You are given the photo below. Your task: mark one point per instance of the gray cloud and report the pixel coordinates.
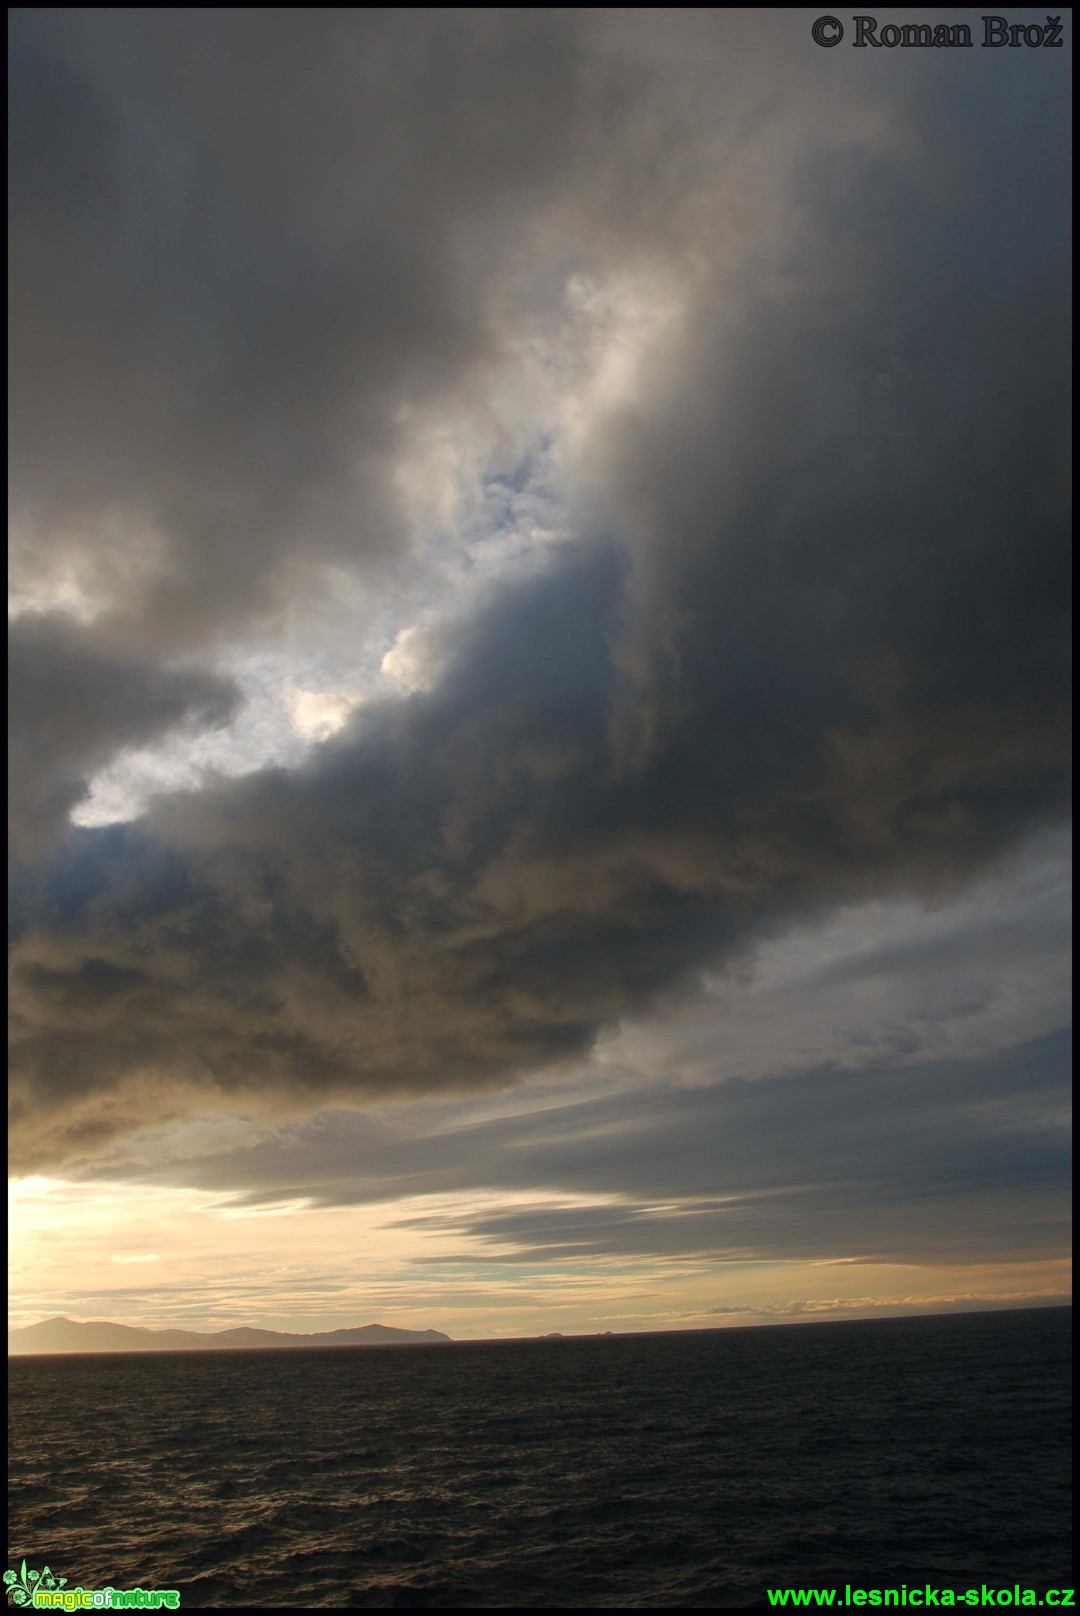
(808, 646)
(261, 222)
(292, 231)
(946, 1161)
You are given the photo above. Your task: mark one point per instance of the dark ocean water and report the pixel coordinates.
(673, 1470)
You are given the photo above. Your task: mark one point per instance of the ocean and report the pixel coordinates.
(686, 1469)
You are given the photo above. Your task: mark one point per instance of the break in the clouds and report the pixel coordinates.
(638, 444)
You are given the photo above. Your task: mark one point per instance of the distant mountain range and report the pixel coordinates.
(68, 1335)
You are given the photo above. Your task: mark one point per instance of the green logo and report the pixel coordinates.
(42, 1591)
(22, 1584)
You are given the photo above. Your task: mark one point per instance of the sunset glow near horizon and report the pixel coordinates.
(539, 620)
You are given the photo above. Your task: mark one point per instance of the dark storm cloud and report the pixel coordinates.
(232, 262)
(809, 647)
(246, 248)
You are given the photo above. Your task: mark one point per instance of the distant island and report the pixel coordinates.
(98, 1335)
(557, 1335)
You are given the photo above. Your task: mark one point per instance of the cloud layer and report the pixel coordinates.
(804, 646)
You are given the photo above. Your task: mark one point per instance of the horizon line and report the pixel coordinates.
(1060, 1305)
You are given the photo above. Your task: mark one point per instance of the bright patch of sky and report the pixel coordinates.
(219, 1264)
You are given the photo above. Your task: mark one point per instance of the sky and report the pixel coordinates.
(539, 667)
